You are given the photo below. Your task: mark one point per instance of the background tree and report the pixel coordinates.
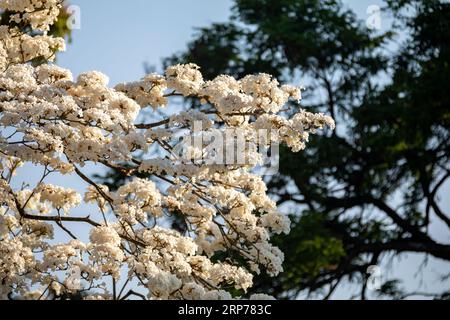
(371, 187)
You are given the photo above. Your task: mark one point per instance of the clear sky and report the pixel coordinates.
(118, 37)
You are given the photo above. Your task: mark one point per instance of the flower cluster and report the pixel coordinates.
(149, 91)
(222, 214)
(36, 13)
(136, 200)
(18, 47)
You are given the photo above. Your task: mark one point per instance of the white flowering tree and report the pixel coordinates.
(61, 125)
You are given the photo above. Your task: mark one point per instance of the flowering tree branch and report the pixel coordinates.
(51, 120)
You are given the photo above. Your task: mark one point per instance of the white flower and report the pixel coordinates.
(184, 78)
(149, 91)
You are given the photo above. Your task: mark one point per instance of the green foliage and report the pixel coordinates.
(60, 27)
(303, 264)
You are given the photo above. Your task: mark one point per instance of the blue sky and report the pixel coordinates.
(118, 37)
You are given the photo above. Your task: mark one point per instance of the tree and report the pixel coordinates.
(371, 187)
(168, 168)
